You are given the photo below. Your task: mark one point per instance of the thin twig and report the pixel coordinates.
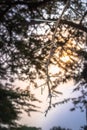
(51, 50)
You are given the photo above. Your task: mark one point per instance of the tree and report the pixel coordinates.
(22, 128)
(12, 102)
(37, 34)
(58, 128)
(28, 128)
(84, 127)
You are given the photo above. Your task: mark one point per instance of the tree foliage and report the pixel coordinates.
(58, 128)
(22, 128)
(12, 101)
(34, 37)
(28, 128)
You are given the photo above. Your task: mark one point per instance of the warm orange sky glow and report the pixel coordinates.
(65, 58)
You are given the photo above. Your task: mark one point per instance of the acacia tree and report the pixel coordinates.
(37, 34)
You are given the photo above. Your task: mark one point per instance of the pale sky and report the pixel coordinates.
(58, 116)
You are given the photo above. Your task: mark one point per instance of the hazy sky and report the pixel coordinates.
(59, 116)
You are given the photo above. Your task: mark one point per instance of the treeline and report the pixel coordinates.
(32, 128)
(35, 128)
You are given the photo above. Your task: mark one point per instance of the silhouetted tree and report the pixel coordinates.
(11, 103)
(27, 128)
(84, 128)
(35, 35)
(58, 128)
(21, 128)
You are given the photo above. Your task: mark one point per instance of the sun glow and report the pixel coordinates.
(65, 58)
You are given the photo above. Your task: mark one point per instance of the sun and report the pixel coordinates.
(65, 58)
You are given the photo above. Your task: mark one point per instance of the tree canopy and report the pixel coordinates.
(38, 34)
(58, 128)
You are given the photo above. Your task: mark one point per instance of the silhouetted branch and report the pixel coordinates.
(66, 22)
(85, 13)
(51, 50)
(31, 5)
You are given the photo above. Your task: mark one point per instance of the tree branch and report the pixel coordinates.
(75, 25)
(51, 50)
(83, 17)
(66, 22)
(31, 5)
